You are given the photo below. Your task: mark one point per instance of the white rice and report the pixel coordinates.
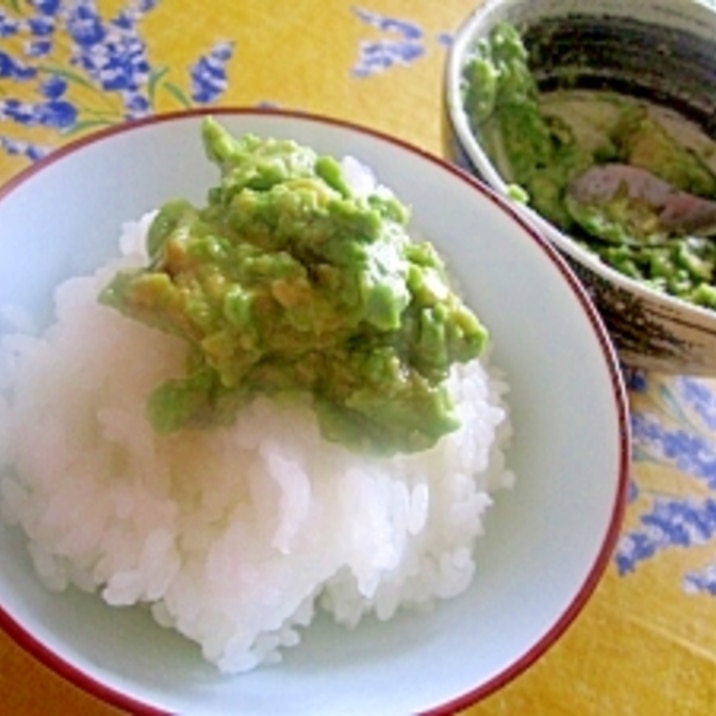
(233, 536)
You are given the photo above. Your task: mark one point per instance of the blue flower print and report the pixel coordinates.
(84, 26)
(635, 379)
(689, 451)
(698, 396)
(55, 114)
(54, 87)
(142, 7)
(12, 69)
(41, 26)
(110, 63)
(208, 74)
(24, 149)
(136, 104)
(704, 582)
(8, 26)
(404, 44)
(670, 523)
(680, 436)
(38, 48)
(128, 17)
(405, 29)
(114, 58)
(48, 8)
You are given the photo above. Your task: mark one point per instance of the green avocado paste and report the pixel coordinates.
(292, 282)
(541, 141)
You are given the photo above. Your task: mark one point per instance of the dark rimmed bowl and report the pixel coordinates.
(662, 51)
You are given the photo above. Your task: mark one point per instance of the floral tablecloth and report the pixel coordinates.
(646, 643)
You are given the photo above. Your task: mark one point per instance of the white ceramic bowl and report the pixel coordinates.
(548, 541)
(662, 49)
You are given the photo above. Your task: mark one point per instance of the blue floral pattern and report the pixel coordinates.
(402, 43)
(110, 62)
(677, 435)
(208, 74)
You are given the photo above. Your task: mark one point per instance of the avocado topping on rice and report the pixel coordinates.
(291, 282)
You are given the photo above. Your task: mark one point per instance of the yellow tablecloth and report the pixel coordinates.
(646, 643)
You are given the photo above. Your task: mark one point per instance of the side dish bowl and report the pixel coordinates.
(652, 49)
(547, 541)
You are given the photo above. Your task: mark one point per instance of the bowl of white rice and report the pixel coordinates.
(259, 567)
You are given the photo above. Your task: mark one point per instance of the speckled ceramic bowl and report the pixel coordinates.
(662, 50)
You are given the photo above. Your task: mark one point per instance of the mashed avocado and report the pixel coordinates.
(291, 283)
(542, 141)
(501, 99)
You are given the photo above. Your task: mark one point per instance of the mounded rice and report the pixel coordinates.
(233, 536)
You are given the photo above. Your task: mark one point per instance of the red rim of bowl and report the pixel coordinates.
(108, 694)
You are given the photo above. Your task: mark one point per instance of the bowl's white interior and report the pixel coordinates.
(546, 541)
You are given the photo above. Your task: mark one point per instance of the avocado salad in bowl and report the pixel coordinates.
(275, 430)
(597, 122)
